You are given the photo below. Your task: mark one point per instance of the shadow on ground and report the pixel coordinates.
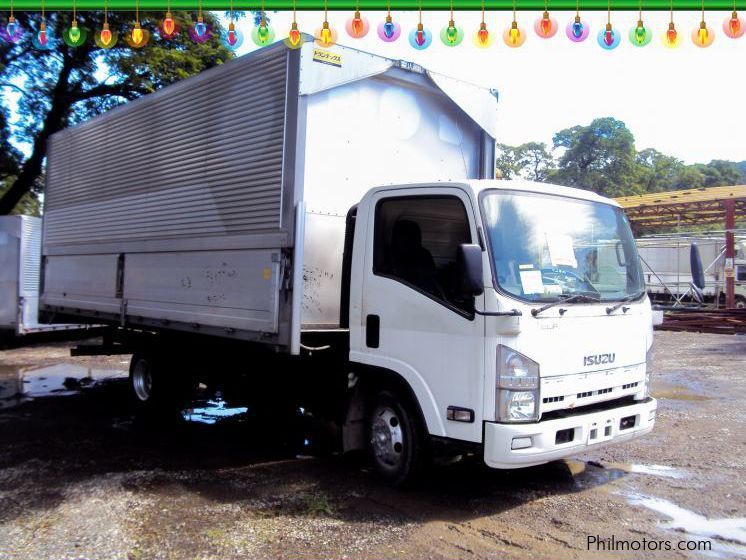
(86, 429)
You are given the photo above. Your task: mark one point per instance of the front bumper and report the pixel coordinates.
(554, 439)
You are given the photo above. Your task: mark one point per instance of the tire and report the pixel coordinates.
(395, 436)
(154, 387)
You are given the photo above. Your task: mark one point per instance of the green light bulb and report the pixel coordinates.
(74, 32)
(640, 33)
(452, 32)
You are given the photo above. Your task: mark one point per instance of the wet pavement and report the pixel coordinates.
(82, 476)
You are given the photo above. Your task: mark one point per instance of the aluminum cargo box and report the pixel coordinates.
(217, 204)
(20, 258)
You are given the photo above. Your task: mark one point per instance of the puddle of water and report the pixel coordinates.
(19, 385)
(587, 475)
(654, 470)
(662, 390)
(732, 530)
(212, 411)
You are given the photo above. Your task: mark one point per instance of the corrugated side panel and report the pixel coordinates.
(30, 256)
(201, 159)
(167, 211)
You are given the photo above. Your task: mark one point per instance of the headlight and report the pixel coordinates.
(517, 390)
(517, 406)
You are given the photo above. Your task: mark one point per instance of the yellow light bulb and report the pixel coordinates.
(137, 34)
(326, 35)
(514, 36)
(703, 36)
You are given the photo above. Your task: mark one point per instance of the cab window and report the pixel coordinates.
(416, 242)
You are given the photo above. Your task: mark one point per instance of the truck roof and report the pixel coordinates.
(479, 185)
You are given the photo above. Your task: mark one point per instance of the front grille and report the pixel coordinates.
(546, 400)
(597, 407)
(630, 385)
(599, 392)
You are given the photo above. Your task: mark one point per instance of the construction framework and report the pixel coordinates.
(693, 207)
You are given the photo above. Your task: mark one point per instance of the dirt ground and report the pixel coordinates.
(82, 477)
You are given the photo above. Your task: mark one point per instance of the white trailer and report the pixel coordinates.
(667, 268)
(287, 211)
(20, 257)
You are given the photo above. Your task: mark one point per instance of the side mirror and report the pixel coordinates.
(469, 262)
(698, 273)
(695, 261)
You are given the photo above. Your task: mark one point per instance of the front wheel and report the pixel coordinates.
(395, 438)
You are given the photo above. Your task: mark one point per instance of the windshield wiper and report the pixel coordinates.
(584, 298)
(621, 302)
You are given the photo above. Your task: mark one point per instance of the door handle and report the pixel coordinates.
(372, 331)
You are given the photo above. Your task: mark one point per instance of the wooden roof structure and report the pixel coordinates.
(686, 207)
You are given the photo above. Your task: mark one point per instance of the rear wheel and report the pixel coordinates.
(157, 385)
(395, 438)
(141, 379)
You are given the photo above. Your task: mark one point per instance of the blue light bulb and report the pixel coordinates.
(388, 29)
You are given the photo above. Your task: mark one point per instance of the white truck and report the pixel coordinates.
(667, 268)
(20, 256)
(234, 227)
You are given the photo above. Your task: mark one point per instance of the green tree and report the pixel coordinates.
(723, 173)
(655, 171)
(690, 177)
(532, 161)
(600, 157)
(505, 161)
(742, 168)
(61, 87)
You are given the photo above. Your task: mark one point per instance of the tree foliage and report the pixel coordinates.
(602, 157)
(531, 161)
(65, 85)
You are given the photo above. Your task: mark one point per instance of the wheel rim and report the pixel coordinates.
(142, 380)
(387, 437)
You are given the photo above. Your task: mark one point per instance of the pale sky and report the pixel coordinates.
(687, 102)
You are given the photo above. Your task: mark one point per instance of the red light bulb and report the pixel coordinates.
(42, 36)
(546, 24)
(734, 24)
(294, 35)
(671, 34)
(608, 35)
(483, 35)
(106, 34)
(169, 25)
(357, 24)
(420, 35)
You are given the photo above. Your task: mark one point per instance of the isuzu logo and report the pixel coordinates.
(599, 359)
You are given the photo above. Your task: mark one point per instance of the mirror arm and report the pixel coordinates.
(511, 313)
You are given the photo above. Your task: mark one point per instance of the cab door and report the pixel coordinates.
(414, 319)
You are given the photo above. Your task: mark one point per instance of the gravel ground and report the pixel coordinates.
(82, 477)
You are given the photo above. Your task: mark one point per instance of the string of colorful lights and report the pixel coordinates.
(358, 26)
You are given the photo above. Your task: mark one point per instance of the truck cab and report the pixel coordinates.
(513, 315)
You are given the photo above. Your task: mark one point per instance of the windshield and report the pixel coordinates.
(547, 248)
